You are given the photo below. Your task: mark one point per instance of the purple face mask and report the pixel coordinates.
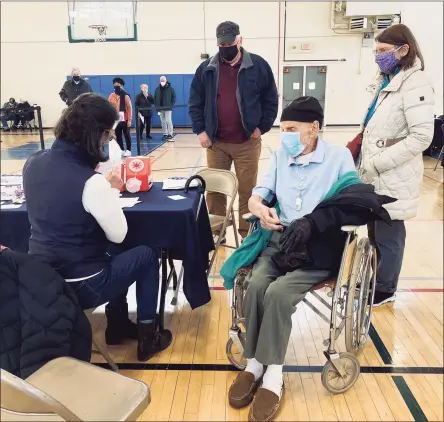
(387, 61)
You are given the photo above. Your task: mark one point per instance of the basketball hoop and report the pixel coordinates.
(101, 32)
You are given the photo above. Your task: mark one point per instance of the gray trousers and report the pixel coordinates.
(389, 240)
(166, 121)
(270, 301)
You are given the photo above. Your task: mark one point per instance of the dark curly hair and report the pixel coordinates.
(84, 123)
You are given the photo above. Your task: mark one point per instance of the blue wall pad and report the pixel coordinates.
(103, 85)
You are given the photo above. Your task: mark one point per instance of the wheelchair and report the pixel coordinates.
(352, 295)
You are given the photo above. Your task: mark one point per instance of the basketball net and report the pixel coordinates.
(101, 32)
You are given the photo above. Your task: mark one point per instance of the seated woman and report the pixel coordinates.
(75, 214)
(300, 175)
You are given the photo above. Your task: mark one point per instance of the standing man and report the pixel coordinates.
(74, 87)
(164, 100)
(145, 100)
(122, 101)
(233, 101)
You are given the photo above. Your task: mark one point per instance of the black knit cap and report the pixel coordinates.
(119, 81)
(303, 109)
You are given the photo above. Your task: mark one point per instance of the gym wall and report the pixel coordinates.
(37, 56)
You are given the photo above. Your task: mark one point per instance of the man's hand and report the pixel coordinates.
(256, 134)
(267, 216)
(205, 141)
(129, 123)
(114, 179)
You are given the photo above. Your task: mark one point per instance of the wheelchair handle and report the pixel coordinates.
(195, 177)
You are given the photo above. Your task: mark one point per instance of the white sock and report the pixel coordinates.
(255, 367)
(274, 379)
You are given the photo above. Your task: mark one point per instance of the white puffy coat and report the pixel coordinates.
(400, 129)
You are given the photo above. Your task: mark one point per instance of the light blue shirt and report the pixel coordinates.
(289, 178)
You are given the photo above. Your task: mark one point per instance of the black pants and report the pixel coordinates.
(146, 123)
(389, 241)
(122, 128)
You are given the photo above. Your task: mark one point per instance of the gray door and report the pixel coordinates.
(315, 79)
(293, 84)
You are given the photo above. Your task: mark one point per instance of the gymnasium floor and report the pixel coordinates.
(402, 364)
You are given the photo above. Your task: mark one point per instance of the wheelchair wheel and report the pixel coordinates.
(333, 382)
(234, 354)
(357, 317)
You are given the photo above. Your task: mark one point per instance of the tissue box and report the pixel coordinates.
(136, 174)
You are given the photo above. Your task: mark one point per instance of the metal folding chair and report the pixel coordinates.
(66, 389)
(224, 182)
(101, 350)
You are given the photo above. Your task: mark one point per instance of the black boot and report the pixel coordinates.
(119, 327)
(151, 340)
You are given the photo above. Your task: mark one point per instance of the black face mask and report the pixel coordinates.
(117, 89)
(229, 53)
(76, 78)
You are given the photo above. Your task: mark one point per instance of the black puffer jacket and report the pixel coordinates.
(40, 318)
(355, 205)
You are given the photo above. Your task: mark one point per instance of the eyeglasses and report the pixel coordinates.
(381, 52)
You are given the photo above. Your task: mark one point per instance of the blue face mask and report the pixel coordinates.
(291, 142)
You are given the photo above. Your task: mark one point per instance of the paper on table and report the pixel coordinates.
(129, 202)
(173, 183)
(176, 197)
(11, 206)
(12, 180)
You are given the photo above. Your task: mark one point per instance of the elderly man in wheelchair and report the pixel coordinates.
(295, 247)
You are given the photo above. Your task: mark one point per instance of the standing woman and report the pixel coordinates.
(75, 216)
(122, 102)
(397, 129)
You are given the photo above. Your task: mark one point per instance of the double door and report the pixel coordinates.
(299, 81)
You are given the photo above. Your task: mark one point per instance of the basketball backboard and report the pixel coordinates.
(91, 21)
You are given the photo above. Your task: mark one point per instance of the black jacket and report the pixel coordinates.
(40, 318)
(256, 94)
(355, 205)
(145, 102)
(70, 90)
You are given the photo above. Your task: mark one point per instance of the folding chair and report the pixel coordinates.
(66, 389)
(100, 349)
(226, 183)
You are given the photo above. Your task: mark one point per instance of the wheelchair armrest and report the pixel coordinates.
(349, 229)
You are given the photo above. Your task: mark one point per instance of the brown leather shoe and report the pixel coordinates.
(242, 390)
(265, 405)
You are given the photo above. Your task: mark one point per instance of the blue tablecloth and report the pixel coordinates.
(158, 222)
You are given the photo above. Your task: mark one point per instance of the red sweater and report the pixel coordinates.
(230, 128)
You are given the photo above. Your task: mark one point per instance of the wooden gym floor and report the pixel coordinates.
(402, 364)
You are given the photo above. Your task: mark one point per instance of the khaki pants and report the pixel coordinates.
(245, 157)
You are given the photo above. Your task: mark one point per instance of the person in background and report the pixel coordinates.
(10, 115)
(145, 100)
(164, 100)
(26, 115)
(74, 87)
(398, 127)
(75, 215)
(122, 102)
(233, 101)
